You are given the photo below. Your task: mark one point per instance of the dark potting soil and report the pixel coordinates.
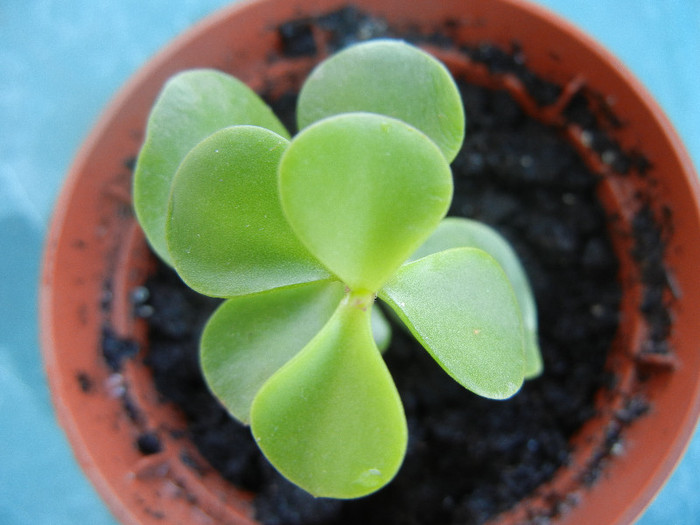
(468, 458)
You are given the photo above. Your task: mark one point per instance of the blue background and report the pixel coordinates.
(60, 63)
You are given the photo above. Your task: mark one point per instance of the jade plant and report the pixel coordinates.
(301, 235)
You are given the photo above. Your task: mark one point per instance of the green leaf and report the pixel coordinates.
(362, 192)
(391, 78)
(331, 420)
(192, 105)
(250, 337)
(226, 234)
(460, 306)
(381, 329)
(454, 232)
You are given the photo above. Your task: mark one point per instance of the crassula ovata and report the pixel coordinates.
(301, 235)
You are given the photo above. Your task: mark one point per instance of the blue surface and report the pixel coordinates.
(62, 60)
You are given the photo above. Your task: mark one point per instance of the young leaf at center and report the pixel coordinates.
(362, 192)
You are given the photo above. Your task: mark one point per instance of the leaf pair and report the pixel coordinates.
(192, 105)
(456, 232)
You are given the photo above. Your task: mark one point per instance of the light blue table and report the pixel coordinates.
(61, 61)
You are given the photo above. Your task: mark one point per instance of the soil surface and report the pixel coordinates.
(468, 458)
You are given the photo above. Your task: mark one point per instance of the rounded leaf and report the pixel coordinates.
(192, 105)
(362, 192)
(226, 234)
(249, 338)
(381, 329)
(455, 232)
(331, 420)
(391, 78)
(461, 307)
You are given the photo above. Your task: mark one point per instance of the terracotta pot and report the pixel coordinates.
(96, 255)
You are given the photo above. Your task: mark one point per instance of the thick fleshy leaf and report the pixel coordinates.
(362, 192)
(391, 78)
(250, 337)
(381, 329)
(192, 105)
(455, 232)
(226, 234)
(331, 419)
(461, 307)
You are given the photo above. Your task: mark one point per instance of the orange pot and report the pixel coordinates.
(96, 255)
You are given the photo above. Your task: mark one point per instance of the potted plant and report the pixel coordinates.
(152, 449)
(303, 236)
